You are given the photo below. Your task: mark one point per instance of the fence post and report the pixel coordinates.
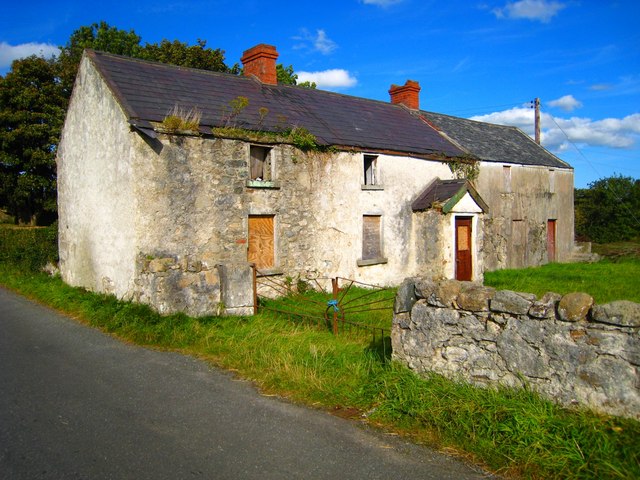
(255, 288)
(334, 286)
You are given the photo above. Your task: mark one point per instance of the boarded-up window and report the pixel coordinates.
(552, 181)
(371, 237)
(370, 162)
(261, 241)
(519, 232)
(260, 163)
(506, 179)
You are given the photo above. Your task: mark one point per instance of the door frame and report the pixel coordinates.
(467, 270)
(552, 240)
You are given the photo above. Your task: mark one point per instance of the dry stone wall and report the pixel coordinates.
(564, 347)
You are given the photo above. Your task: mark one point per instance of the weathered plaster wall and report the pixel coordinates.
(96, 201)
(516, 227)
(563, 347)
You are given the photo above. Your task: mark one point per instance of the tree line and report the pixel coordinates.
(609, 210)
(34, 96)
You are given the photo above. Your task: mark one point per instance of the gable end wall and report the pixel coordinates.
(96, 204)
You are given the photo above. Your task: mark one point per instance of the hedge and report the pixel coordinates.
(29, 247)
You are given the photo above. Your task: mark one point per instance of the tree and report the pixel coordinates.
(98, 36)
(193, 56)
(609, 210)
(287, 76)
(33, 100)
(32, 109)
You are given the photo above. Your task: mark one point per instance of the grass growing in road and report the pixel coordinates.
(513, 432)
(605, 281)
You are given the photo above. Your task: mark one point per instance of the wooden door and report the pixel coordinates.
(463, 249)
(261, 245)
(551, 240)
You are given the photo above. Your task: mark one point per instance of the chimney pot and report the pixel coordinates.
(407, 94)
(260, 61)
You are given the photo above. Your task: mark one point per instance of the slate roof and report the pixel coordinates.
(494, 143)
(148, 91)
(445, 194)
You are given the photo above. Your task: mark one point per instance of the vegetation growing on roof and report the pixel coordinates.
(299, 137)
(181, 120)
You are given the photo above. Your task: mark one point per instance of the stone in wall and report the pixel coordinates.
(561, 346)
(194, 286)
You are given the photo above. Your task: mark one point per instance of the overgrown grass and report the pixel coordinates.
(513, 432)
(605, 281)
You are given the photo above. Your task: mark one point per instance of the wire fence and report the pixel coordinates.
(340, 305)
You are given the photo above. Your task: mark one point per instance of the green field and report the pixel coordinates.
(605, 281)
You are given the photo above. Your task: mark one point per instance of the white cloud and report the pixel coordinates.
(558, 133)
(600, 87)
(568, 103)
(319, 42)
(542, 10)
(324, 44)
(381, 3)
(334, 78)
(9, 53)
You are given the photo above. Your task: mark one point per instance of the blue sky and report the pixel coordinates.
(484, 59)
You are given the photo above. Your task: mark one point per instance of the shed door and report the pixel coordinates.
(261, 245)
(463, 248)
(551, 240)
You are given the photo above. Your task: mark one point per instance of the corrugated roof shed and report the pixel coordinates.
(148, 91)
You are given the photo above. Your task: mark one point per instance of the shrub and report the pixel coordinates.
(29, 248)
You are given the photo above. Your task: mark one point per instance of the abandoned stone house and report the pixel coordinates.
(300, 182)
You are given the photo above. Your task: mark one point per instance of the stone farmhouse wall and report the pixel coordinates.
(564, 347)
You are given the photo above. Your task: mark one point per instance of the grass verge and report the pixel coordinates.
(512, 432)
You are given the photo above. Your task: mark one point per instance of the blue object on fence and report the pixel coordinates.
(334, 304)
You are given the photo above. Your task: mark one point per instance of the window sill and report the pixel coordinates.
(372, 261)
(269, 272)
(372, 187)
(263, 184)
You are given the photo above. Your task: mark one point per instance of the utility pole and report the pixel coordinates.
(536, 105)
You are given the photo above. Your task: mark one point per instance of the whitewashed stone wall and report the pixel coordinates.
(564, 347)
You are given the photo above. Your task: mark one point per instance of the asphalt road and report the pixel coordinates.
(78, 404)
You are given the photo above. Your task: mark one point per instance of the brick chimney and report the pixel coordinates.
(407, 94)
(260, 61)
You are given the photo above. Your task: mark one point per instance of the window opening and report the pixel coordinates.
(370, 169)
(261, 164)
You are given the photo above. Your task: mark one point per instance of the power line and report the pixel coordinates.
(488, 107)
(607, 185)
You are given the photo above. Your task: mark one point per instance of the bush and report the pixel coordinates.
(29, 248)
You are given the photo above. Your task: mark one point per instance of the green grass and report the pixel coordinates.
(605, 281)
(512, 432)
(357, 305)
